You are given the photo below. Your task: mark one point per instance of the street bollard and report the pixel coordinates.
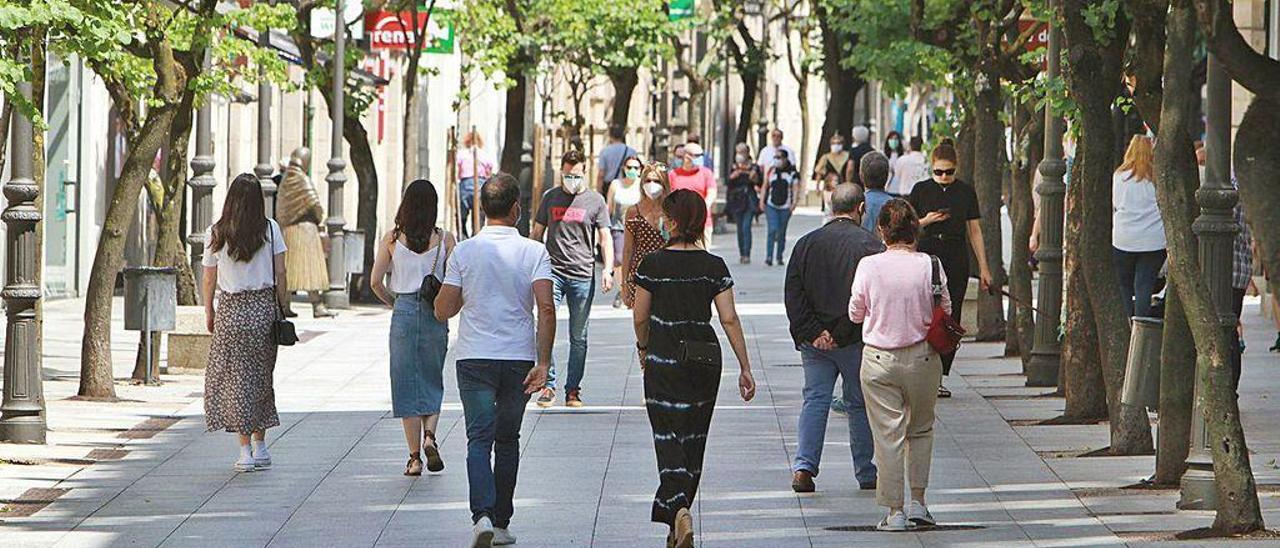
(1142, 371)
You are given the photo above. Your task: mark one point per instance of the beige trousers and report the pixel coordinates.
(901, 387)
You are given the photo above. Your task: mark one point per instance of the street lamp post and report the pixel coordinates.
(1215, 229)
(1046, 351)
(264, 170)
(201, 184)
(22, 409)
(337, 296)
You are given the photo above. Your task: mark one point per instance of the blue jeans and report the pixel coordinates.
(778, 219)
(1137, 274)
(743, 220)
(579, 293)
(493, 401)
(466, 202)
(820, 370)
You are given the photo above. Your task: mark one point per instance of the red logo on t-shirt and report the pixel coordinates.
(568, 214)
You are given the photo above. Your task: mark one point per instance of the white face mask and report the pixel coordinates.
(652, 190)
(837, 147)
(574, 183)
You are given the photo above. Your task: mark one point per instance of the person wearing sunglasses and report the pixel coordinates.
(948, 209)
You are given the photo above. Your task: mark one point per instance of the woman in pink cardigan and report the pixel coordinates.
(892, 298)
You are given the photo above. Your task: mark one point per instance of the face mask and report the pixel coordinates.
(893, 143)
(837, 147)
(574, 183)
(740, 159)
(653, 190)
(632, 173)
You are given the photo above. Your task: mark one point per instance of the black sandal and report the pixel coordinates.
(432, 452)
(414, 467)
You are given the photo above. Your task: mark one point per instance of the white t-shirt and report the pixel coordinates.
(767, 153)
(235, 276)
(908, 170)
(1136, 225)
(496, 270)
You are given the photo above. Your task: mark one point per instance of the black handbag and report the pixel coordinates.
(700, 353)
(282, 330)
(431, 283)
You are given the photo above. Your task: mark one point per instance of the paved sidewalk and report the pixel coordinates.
(588, 475)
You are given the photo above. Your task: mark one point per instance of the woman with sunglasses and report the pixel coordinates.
(948, 209)
(644, 230)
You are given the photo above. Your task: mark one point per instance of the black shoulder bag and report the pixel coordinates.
(282, 330)
(431, 283)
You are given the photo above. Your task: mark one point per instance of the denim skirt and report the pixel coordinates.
(418, 345)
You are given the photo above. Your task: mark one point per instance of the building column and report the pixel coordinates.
(22, 418)
(337, 297)
(1046, 351)
(1216, 230)
(201, 184)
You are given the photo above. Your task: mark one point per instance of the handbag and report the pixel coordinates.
(282, 330)
(431, 283)
(944, 331)
(700, 353)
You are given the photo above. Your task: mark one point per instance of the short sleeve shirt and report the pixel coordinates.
(258, 273)
(495, 271)
(683, 284)
(612, 157)
(572, 222)
(959, 197)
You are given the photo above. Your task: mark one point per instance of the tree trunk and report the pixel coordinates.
(1177, 391)
(1256, 162)
(965, 148)
(750, 88)
(624, 85)
(513, 139)
(697, 107)
(1081, 369)
(1093, 72)
(6, 114)
(806, 127)
(413, 166)
(843, 83)
(988, 147)
(367, 205)
(1022, 215)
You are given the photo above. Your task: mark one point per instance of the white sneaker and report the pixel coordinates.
(918, 514)
(482, 534)
(245, 463)
(895, 522)
(261, 457)
(503, 537)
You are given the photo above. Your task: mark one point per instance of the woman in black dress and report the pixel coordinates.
(680, 354)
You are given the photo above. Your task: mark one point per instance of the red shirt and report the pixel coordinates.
(700, 180)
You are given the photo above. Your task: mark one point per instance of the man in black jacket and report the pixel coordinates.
(819, 278)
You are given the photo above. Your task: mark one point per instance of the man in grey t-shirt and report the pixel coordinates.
(612, 156)
(575, 220)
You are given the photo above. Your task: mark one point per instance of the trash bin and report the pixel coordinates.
(150, 298)
(353, 246)
(1142, 371)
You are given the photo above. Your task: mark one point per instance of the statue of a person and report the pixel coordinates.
(300, 215)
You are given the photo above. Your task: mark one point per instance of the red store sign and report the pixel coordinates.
(387, 30)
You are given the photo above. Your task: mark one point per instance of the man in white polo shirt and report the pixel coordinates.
(494, 279)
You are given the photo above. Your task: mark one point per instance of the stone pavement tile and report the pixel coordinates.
(1068, 438)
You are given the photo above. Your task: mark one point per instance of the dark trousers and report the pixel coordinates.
(466, 203)
(954, 257)
(1237, 357)
(493, 400)
(680, 399)
(1137, 274)
(743, 220)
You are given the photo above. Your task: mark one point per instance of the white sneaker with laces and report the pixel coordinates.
(894, 522)
(503, 537)
(245, 463)
(261, 458)
(919, 515)
(482, 534)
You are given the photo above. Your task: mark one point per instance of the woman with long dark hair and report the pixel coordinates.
(243, 262)
(893, 150)
(407, 254)
(680, 354)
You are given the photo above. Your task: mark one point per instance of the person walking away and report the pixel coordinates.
(875, 174)
(622, 195)
(1241, 279)
(414, 249)
(1137, 230)
(612, 159)
(861, 146)
(949, 224)
(243, 263)
(778, 202)
(893, 299)
(894, 150)
(474, 168)
(300, 212)
(691, 175)
(910, 169)
(646, 231)
(494, 281)
(680, 354)
(770, 151)
(743, 197)
(816, 292)
(574, 221)
(834, 168)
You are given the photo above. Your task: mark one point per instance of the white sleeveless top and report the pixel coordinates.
(409, 268)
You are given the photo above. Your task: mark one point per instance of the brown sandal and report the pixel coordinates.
(414, 467)
(434, 462)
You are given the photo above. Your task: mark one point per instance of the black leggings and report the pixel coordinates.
(955, 263)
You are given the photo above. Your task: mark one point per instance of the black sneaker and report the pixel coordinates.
(1275, 347)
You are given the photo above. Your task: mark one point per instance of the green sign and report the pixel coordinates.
(440, 32)
(680, 9)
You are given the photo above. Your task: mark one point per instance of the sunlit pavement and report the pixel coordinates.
(587, 476)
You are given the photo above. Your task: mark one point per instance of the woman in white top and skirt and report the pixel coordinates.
(244, 259)
(410, 252)
(1137, 229)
